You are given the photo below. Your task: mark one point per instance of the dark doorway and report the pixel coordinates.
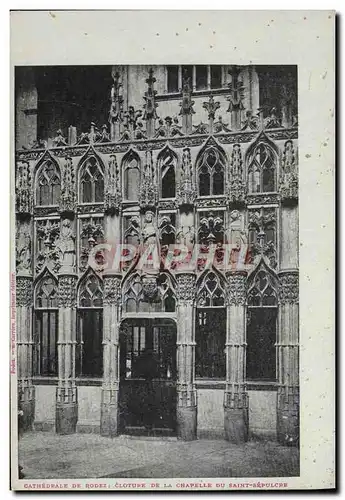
(261, 339)
(148, 377)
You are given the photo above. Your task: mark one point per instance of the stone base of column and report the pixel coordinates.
(288, 417)
(236, 424)
(26, 405)
(109, 413)
(66, 418)
(186, 422)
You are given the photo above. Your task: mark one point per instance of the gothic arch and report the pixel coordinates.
(262, 286)
(47, 181)
(167, 162)
(131, 184)
(211, 169)
(90, 290)
(90, 177)
(46, 290)
(143, 292)
(211, 289)
(262, 158)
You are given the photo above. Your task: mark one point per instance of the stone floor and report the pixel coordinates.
(45, 455)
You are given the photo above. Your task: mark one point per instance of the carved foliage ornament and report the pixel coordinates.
(23, 291)
(67, 291)
(48, 232)
(236, 183)
(112, 290)
(288, 288)
(23, 188)
(237, 288)
(186, 287)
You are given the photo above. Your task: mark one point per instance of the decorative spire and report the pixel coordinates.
(150, 105)
(112, 195)
(130, 124)
(186, 104)
(236, 191)
(148, 192)
(186, 192)
(235, 98)
(116, 107)
(67, 198)
(211, 107)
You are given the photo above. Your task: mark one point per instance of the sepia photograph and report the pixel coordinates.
(157, 243)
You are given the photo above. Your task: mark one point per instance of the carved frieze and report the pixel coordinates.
(281, 134)
(211, 202)
(167, 204)
(90, 208)
(262, 199)
(288, 287)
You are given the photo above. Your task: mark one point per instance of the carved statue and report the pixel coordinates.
(149, 230)
(23, 249)
(65, 244)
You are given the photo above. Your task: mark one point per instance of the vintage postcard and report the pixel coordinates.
(172, 315)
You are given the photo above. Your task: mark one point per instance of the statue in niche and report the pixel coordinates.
(150, 238)
(65, 244)
(186, 236)
(23, 253)
(149, 230)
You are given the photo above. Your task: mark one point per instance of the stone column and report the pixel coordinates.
(288, 323)
(111, 354)
(24, 293)
(26, 390)
(66, 393)
(186, 411)
(288, 359)
(236, 397)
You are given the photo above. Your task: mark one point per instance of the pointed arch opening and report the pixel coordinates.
(45, 334)
(131, 166)
(262, 313)
(211, 164)
(91, 179)
(89, 351)
(48, 183)
(262, 162)
(210, 331)
(145, 293)
(167, 168)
